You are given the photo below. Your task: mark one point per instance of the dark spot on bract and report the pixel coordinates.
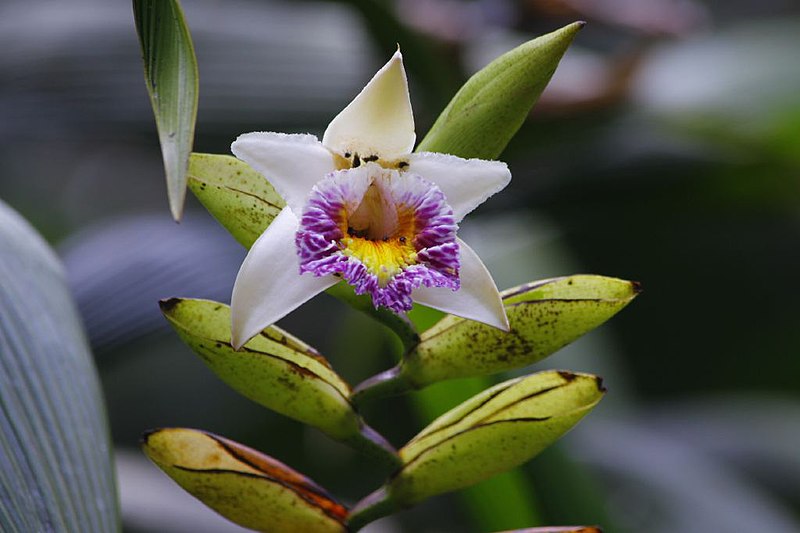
(600, 386)
(168, 304)
(370, 158)
(356, 161)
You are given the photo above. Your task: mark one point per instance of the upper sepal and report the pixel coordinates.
(243, 485)
(379, 121)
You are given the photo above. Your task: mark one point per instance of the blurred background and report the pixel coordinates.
(666, 150)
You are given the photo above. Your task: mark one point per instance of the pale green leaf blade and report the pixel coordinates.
(488, 110)
(170, 72)
(240, 198)
(276, 370)
(544, 317)
(55, 450)
(273, 369)
(242, 484)
(495, 431)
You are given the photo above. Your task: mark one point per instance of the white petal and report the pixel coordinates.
(477, 299)
(291, 163)
(269, 285)
(379, 121)
(466, 183)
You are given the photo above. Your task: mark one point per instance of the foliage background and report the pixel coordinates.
(667, 150)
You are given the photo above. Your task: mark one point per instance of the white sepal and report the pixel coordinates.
(477, 299)
(379, 121)
(292, 163)
(269, 285)
(466, 183)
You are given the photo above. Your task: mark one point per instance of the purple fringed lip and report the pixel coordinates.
(386, 232)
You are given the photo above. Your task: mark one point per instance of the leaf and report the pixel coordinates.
(494, 431)
(170, 72)
(488, 110)
(240, 198)
(242, 484)
(55, 450)
(276, 370)
(544, 317)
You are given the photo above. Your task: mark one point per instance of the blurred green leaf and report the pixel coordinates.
(57, 473)
(276, 370)
(240, 198)
(488, 110)
(243, 485)
(170, 72)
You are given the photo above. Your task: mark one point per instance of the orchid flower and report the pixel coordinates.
(360, 207)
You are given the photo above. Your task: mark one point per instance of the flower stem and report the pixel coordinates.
(371, 443)
(399, 324)
(375, 506)
(388, 383)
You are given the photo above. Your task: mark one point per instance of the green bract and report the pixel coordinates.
(170, 72)
(544, 317)
(275, 370)
(494, 431)
(236, 195)
(243, 485)
(485, 114)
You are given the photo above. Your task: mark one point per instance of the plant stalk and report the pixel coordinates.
(390, 382)
(375, 506)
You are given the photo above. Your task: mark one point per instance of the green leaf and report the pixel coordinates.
(240, 198)
(242, 484)
(489, 109)
(494, 431)
(57, 473)
(276, 370)
(170, 72)
(544, 317)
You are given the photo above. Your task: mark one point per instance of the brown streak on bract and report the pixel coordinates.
(300, 484)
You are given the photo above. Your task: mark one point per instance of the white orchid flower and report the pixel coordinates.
(363, 208)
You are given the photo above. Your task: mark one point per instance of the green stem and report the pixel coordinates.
(391, 382)
(371, 443)
(375, 506)
(399, 324)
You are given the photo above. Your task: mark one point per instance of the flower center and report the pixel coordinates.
(385, 231)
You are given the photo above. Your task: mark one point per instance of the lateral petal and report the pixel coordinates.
(466, 183)
(477, 299)
(292, 163)
(379, 121)
(269, 285)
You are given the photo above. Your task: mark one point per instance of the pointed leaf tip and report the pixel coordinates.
(171, 78)
(488, 110)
